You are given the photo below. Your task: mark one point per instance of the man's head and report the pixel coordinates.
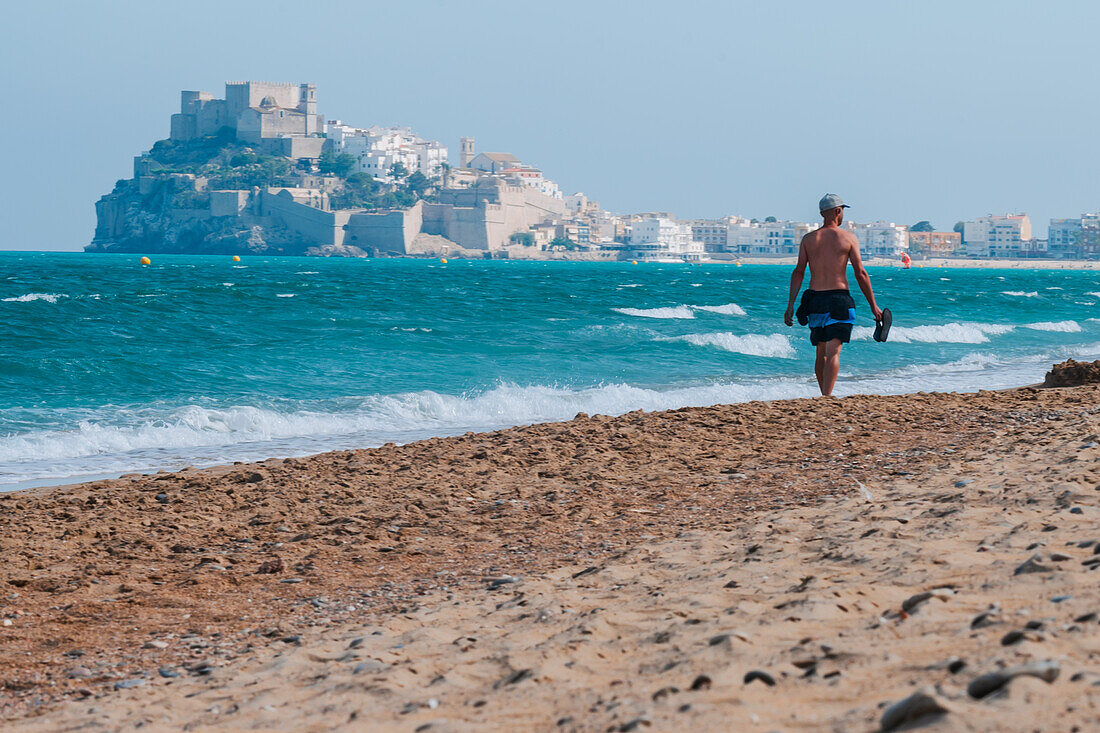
(832, 208)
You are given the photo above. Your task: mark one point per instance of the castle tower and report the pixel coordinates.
(307, 98)
(466, 151)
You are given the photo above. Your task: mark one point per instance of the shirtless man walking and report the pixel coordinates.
(827, 306)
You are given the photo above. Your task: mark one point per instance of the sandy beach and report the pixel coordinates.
(794, 565)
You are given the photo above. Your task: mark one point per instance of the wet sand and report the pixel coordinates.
(794, 565)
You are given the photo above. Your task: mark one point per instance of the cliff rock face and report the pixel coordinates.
(171, 214)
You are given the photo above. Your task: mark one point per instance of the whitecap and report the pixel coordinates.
(307, 272)
(947, 333)
(228, 285)
(1093, 293)
(678, 311)
(1058, 326)
(285, 295)
(774, 345)
(729, 309)
(1021, 293)
(30, 297)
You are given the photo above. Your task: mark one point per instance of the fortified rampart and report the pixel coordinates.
(390, 232)
(299, 210)
(486, 214)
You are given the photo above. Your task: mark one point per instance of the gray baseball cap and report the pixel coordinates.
(830, 201)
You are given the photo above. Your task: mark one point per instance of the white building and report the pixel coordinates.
(378, 149)
(658, 238)
(998, 236)
(765, 239)
(881, 239)
(713, 233)
(532, 178)
(604, 227)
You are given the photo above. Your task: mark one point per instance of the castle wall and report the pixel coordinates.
(317, 227)
(486, 215)
(228, 203)
(253, 125)
(390, 232)
(240, 95)
(296, 147)
(212, 117)
(183, 127)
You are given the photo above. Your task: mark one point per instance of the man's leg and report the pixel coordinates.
(819, 366)
(831, 366)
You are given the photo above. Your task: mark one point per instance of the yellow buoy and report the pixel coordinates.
(236, 258)
(443, 260)
(146, 261)
(634, 262)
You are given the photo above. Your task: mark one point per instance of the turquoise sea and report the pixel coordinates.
(107, 366)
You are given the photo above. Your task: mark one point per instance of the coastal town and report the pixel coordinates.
(260, 171)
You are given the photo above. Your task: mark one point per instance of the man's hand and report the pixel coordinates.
(877, 313)
(788, 317)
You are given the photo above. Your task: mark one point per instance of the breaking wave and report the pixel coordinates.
(682, 311)
(1021, 293)
(678, 311)
(193, 435)
(775, 345)
(729, 309)
(948, 333)
(1059, 326)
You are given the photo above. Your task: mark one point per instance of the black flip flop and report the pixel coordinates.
(882, 328)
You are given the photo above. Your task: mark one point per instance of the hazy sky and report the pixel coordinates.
(929, 110)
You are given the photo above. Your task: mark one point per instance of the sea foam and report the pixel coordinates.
(729, 309)
(774, 345)
(30, 297)
(947, 333)
(1058, 326)
(678, 311)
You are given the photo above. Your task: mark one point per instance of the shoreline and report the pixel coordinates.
(71, 482)
(263, 572)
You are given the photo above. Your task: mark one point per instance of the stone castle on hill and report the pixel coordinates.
(280, 118)
(196, 191)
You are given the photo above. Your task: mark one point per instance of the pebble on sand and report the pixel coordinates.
(759, 674)
(1032, 565)
(993, 681)
(922, 703)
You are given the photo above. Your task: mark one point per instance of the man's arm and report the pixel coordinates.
(796, 283)
(863, 278)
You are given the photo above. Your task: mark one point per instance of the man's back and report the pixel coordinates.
(827, 306)
(828, 250)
